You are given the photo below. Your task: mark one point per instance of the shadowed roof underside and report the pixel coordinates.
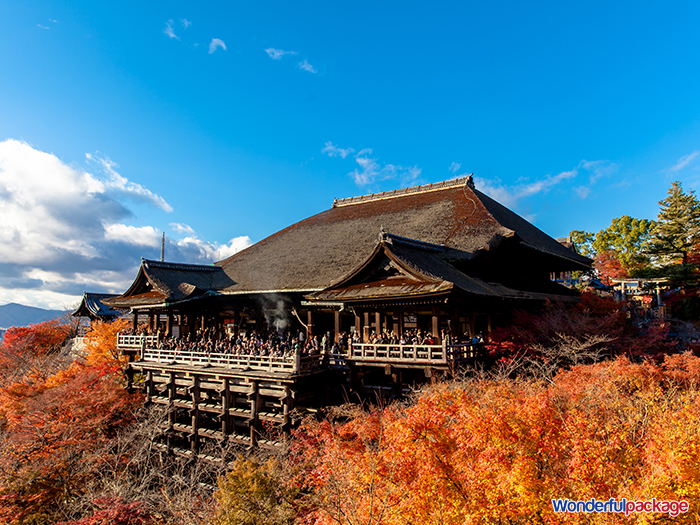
(311, 254)
(400, 267)
(166, 283)
(92, 306)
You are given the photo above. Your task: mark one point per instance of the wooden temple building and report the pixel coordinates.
(442, 258)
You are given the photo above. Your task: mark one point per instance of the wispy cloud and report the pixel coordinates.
(169, 30)
(334, 151)
(276, 54)
(510, 195)
(683, 162)
(454, 167)
(66, 230)
(371, 172)
(216, 43)
(181, 228)
(307, 67)
(43, 27)
(582, 191)
(597, 169)
(186, 23)
(124, 186)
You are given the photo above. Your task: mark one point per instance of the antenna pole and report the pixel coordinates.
(162, 249)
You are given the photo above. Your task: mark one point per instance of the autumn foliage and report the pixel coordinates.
(53, 419)
(593, 317)
(498, 451)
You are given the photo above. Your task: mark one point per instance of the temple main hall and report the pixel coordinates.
(442, 257)
(365, 300)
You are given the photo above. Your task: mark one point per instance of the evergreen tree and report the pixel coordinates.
(677, 229)
(622, 245)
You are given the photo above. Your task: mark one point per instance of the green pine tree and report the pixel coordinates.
(677, 229)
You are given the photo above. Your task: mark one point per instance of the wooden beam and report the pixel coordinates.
(436, 323)
(336, 325)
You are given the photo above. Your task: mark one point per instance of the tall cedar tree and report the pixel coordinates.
(678, 227)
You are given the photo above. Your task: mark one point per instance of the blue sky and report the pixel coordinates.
(220, 123)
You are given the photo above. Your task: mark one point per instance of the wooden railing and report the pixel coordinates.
(131, 342)
(146, 347)
(266, 363)
(419, 354)
(388, 353)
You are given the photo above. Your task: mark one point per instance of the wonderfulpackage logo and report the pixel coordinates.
(623, 506)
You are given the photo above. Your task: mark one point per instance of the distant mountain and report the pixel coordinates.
(14, 314)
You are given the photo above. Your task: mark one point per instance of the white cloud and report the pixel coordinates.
(454, 167)
(123, 185)
(181, 228)
(683, 162)
(510, 195)
(334, 151)
(276, 54)
(43, 27)
(186, 23)
(582, 191)
(307, 67)
(597, 169)
(204, 252)
(215, 43)
(170, 31)
(66, 230)
(371, 172)
(139, 236)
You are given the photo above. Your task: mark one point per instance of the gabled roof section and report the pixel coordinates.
(92, 306)
(160, 282)
(311, 254)
(530, 235)
(402, 267)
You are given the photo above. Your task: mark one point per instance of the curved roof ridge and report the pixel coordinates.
(424, 188)
(179, 266)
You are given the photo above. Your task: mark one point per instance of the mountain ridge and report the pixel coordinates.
(15, 314)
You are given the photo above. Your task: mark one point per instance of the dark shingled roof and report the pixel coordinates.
(422, 271)
(162, 282)
(92, 306)
(311, 254)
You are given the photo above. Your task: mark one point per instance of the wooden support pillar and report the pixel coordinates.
(203, 324)
(254, 397)
(336, 325)
(358, 325)
(259, 321)
(309, 323)
(287, 407)
(399, 315)
(194, 414)
(225, 407)
(135, 320)
(171, 410)
(365, 328)
(472, 326)
(168, 324)
(436, 324)
(149, 386)
(454, 326)
(378, 322)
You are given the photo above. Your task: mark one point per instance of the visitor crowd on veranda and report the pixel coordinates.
(285, 344)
